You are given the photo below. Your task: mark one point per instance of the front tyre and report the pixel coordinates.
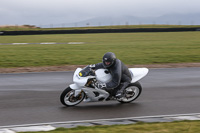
(68, 98)
(131, 93)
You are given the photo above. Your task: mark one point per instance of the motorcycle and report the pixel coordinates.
(85, 87)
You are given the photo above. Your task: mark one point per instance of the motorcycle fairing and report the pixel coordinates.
(138, 73)
(80, 81)
(79, 84)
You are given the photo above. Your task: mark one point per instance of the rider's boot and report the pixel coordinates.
(110, 91)
(120, 92)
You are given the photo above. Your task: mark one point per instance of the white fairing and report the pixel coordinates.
(79, 85)
(138, 73)
(102, 76)
(79, 81)
(74, 86)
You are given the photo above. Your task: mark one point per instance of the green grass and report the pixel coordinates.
(18, 28)
(131, 48)
(173, 127)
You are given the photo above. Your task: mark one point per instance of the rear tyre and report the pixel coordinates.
(131, 93)
(68, 98)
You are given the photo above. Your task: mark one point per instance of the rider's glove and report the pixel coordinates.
(101, 85)
(92, 66)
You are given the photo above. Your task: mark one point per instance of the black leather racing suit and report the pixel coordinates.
(121, 76)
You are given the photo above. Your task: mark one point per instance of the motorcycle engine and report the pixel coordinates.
(103, 76)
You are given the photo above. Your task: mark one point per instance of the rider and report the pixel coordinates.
(121, 76)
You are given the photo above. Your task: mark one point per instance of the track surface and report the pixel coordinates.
(29, 98)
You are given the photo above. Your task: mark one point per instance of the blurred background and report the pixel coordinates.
(86, 13)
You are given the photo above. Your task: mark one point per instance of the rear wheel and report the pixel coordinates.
(68, 98)
(131, 93)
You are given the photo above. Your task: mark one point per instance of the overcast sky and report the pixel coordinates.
(65, 11)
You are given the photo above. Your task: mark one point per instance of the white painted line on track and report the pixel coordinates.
(71, 124)
(19, 43)
(6, 131)
(76, 43)
(34, 128)
(48, 43)
(185, 118)
(113, 119)
(29, 129)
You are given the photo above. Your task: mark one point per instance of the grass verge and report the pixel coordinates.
(172, 127)
(131, 48)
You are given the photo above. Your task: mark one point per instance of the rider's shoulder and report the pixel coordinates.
(118, 61)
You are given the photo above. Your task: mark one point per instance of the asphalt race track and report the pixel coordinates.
(29, 98)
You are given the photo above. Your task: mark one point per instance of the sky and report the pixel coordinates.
(41, 12)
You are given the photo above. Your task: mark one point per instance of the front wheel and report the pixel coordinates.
(68, 98)
(131, 93)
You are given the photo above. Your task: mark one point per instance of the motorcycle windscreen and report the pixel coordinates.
(78, 80)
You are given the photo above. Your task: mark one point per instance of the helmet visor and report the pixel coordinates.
(107, 63)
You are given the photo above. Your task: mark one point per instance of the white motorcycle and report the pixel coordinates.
(85, 88)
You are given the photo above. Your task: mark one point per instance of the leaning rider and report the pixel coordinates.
(121, 76)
